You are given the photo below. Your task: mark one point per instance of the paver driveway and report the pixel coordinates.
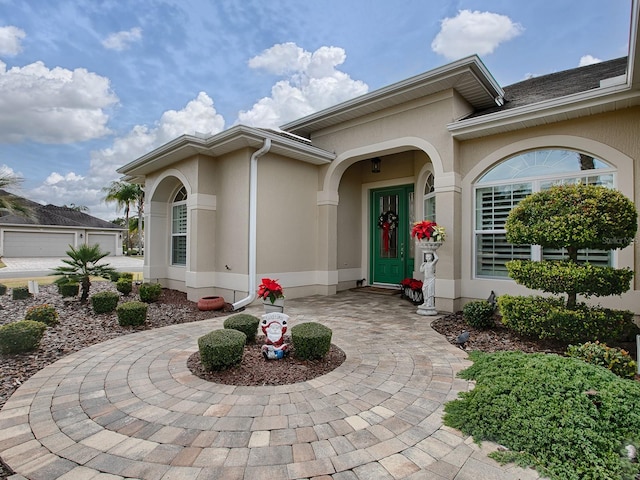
(130, 408)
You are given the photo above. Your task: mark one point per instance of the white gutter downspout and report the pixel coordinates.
(253, 219)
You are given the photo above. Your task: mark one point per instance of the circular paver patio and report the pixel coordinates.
(130, 408)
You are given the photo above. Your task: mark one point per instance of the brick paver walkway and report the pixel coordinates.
(130, 408)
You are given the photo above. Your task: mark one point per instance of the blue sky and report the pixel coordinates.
(87, 86)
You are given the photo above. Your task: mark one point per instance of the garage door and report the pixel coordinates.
(107, 242)
(37, 244)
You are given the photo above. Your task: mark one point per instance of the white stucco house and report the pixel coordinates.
(452, 145)
(50, 230)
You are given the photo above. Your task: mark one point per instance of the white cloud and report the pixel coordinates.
(53, 105)
(122, 40)
(313, 84)
(588, 60)
(10, 38)
(199, 115)
(473, 32)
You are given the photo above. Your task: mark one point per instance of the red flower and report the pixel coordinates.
(270, 289)
(427, 229)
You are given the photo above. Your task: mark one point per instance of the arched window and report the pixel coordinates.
(506, 184)
(429, 199)
(179, 228)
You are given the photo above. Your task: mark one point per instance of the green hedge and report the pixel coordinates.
(478, 314)
(311, 340)
(568, 419)
(70, 289)
(20, 293)
(150, 292)
(615, 359)
(104, 302)
(46, 314)
(221, 349)
(547, 317)
(124, 286)
(245, 323)
(132, 314)
(22, 336)
(3, 289)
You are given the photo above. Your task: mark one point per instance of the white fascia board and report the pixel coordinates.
(477, 126)
(233, 138)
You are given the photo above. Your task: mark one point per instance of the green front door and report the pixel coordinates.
(391, 218)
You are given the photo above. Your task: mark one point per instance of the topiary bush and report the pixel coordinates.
(566, 418)
(114, 276)
(124, 286)
(548, 318)
(150, 292)
(615, 359)
(22, 336)
(132, 314)
(127, 275)
(20, 293)
(245, 323)
(71, 289)
(311, 340)
(104, 302)
(478, 314)
(221, 349)
(46, 314)
(3, 289)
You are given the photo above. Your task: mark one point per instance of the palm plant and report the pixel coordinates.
(124, 194)
(10, 203)
(81, 266)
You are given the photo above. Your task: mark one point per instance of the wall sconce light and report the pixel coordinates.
(375, 165)
(80, 235)
(120, 236)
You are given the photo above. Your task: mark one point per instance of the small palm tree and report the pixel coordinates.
(125, 194)
(82, 266)
(9, 202)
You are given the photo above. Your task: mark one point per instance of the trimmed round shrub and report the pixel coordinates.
(46, 314)
(127, 275)
(547, 317)
(150, 292)
(114, 276)
(132, 314)
(245, 323)
(615, 359)
(20, 293)
(221, 349)
(71, 289)
(311, 340)
(124, 286)
(104, 302)
(22, 336)
(478, 314)
(3, 289)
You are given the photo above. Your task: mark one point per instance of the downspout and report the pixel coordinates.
(253, 219)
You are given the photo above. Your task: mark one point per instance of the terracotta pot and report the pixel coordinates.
(210, 303)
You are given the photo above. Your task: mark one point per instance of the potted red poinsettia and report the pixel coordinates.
(272, 295)
(428, 230)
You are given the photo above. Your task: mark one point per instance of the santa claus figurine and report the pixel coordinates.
(274, 326)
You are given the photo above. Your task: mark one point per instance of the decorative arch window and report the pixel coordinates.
(179, 228)
(429, 199)
(506, 184)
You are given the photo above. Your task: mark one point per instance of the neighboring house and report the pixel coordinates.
(50, 230)
(302, 204)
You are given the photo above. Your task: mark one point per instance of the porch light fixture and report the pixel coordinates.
(375, 165)
(80, 235)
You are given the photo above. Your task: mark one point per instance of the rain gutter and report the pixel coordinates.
(253, 220)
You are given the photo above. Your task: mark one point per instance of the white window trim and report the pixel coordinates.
(535, 181)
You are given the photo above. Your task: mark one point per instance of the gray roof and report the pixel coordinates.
(52, 215)
(558, 84)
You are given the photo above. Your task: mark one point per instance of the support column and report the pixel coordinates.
(327, 238)
(201, 233)
(448, 214)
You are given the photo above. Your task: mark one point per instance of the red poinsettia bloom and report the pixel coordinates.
(427, 230)
(270, 289)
